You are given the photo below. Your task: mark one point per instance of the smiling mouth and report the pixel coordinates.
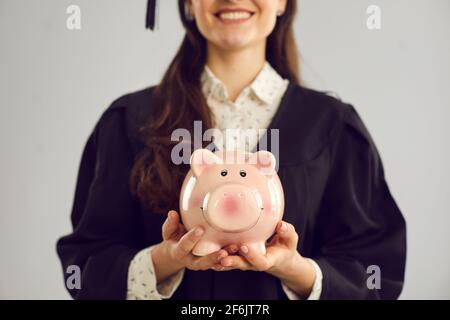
(234, 16)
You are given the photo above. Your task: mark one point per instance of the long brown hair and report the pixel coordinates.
(178, 101)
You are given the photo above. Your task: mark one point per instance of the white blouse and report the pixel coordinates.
(254, 108)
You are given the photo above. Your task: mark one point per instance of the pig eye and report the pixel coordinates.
(223, 173)
(242, 173)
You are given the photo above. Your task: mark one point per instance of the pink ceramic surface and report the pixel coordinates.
(237, 197)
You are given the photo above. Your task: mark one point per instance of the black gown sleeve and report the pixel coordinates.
(105, 234)
(359, 222)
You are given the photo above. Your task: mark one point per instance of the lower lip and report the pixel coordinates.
(234, 21)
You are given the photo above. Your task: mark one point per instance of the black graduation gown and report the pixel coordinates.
(335, 193)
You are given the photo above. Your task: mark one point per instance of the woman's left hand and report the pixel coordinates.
(281, 260)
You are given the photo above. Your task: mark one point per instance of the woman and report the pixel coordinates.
(236, 68)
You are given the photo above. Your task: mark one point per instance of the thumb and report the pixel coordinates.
(170, 226)
(287, 234)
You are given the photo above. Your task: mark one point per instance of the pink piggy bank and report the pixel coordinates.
(236, 196)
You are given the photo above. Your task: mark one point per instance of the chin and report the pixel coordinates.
(234, 42)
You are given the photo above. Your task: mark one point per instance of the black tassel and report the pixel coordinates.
(151, 14)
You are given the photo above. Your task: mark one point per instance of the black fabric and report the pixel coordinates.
(335, 193)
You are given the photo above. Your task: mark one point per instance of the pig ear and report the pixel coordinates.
(202, 159)
(265, 161)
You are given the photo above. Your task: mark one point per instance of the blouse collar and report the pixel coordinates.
(265, 86)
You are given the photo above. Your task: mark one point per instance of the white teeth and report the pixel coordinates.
(235, 15)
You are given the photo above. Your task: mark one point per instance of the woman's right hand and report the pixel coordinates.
(175, 251)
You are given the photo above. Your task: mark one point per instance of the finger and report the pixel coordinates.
(207, 262)
(259, 261)
(236, 262)
(187, 242)
(287, 234)
(219, 267)
(170, 226)
(181, 231)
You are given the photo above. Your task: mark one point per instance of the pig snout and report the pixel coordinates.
(231, 204)
(233, 208)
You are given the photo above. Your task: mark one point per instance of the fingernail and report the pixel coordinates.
(283, 227)
(198, 232)
(244, 249)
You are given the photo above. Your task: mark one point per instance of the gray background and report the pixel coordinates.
(55, 83)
